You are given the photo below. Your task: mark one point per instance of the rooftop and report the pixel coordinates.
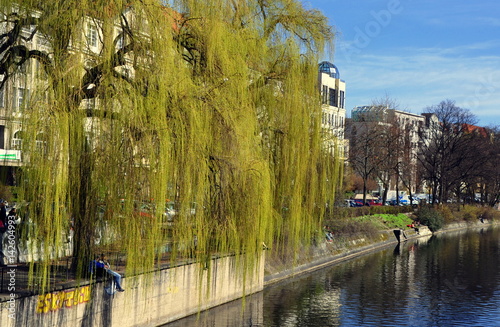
(330, 69)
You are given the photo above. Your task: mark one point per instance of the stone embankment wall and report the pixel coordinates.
(149, 299)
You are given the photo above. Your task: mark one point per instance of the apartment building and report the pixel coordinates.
(23, 80)
(333, 104)
(406, 127)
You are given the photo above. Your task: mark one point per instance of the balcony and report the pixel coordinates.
(10, 157)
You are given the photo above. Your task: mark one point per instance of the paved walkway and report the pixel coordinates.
(15, 278)
(61, 276)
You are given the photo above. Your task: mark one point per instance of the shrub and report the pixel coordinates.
(351, 212)
(5, 192)
(470, 213)
(351, 227)
(390, 210)
(447, 213)
(430, 217)
(489, 213)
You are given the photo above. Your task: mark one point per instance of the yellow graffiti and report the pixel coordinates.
(58, 300)
(173, 289)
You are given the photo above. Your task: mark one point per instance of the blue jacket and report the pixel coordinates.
(97, 267)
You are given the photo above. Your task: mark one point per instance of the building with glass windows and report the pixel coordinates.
(23, 82)
(397, 138)
(333, 103)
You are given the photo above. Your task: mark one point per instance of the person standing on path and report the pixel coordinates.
(3, 229)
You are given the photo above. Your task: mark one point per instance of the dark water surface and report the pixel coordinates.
(450, 279)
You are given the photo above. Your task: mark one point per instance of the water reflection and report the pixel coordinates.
(450, 279)
(240, 313)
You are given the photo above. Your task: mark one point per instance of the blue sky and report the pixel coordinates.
(418, 52)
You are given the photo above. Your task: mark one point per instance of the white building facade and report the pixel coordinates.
(333, 104)
(407, 128)
(25, 83)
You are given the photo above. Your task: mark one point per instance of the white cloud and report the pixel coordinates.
(418, 78)
(459, 50)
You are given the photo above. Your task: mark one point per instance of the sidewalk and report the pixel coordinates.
(15, 278)
(61, 276)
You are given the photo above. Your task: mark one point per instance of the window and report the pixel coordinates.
(40, 71)
(41, 142)
(17, 140)
(120, 40)
(25, 68)
(324, 95)
(92, 35)
(19, 96)
(2, 137)
(342, 99)
(2, 98)
(91, 104)
(333, 98)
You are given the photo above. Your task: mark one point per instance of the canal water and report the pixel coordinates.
(450, 279)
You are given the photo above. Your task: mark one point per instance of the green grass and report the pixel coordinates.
(394, 221)
(387, 221)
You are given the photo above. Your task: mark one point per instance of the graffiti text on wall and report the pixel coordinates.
(64, 299)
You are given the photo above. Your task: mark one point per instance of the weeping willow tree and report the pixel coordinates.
(211, 105)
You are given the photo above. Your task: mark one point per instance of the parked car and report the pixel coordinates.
(355, 203)
(369, 202)
(395, 202)
(374, 202)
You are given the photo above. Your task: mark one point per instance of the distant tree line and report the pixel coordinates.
(459, 160)
(452, 159)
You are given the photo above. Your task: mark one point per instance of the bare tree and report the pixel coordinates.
(487, 183)
(390, 145)
(365, 157)
(389, 148)
(445, 148)
(397, 168)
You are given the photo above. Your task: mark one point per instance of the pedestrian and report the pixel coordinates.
(3, 229)
(14, 220)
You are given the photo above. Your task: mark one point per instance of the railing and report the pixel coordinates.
(15, 278)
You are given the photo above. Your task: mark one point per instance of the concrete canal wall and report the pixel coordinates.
(149, 299)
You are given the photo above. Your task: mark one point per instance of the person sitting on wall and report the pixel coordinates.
(328, 234)
(96, 268)
(100, 266)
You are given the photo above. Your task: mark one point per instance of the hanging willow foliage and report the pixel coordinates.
(210, 105)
